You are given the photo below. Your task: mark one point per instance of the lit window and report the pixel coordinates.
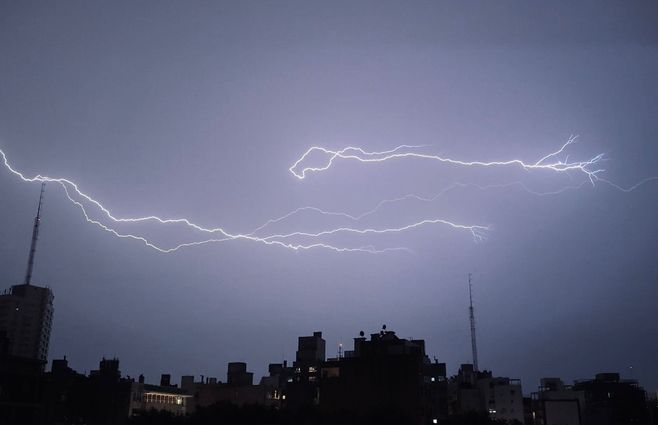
(433, 379)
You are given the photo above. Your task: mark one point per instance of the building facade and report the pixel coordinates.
(26, 315)
(557, 404)
(146, 397)
(480, 393)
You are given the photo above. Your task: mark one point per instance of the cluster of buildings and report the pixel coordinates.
(383, 376)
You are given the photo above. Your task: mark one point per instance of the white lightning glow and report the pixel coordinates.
(478, 232)
(428, 199)
(274, 240)
(630, 188)
(368, 248)
(547, 162)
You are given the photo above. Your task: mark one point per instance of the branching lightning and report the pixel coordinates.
(428, 199)
(549, 162)
(274, 240)
(403, 151)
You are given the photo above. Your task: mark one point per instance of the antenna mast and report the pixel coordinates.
(35, 236)
(474, 347)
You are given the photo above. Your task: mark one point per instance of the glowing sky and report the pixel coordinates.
(198, 110)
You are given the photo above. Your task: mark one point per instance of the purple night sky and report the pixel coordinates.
(197, 109)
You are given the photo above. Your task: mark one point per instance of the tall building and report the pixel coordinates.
(26, 314)
(302, 389)
(26, 311)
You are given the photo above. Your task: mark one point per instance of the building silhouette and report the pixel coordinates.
(302, 388)
(611, 400)
(238, 376)
(26, 314)
(385, 379)
(164, 397)
(20, 386)
(481, 393)
(26, 311)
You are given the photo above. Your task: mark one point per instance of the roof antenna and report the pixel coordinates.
(35, 236)
(474, 347)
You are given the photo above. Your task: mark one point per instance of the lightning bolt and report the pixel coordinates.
(547, 162)
(428, 199)
(478, 232)
(273, 240)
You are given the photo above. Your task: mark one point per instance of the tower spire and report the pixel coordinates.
(35, 236)
(474, 347)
